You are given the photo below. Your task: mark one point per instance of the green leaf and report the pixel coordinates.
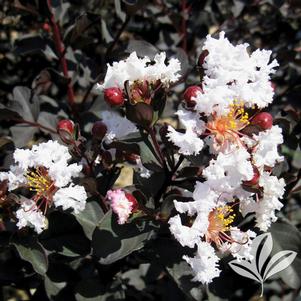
(149, 157)
(111, 242)
(32, 251)
(93, 290)
(90, 217)
(65, 235)
(53, 288)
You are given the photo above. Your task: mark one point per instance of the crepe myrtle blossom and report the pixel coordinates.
(141, 69)
(143, 77)
(208, 230)
(122, 203)
(235, 84)
(211, 214)
(44, 170)
(232, 73)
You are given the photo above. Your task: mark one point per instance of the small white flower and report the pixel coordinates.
(266, 152)
(265, 208)
(134, 68)
(72, 196)
(231, 73)
(204, 264)
(45, 171)
(228, 171)
(189, 142)
(29, 215)
(186, 236)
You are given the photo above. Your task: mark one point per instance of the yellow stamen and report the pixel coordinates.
(38, 181)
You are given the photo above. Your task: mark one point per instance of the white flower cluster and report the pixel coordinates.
(45, 171)
(230, 74)
(134, 68)
(237, 179)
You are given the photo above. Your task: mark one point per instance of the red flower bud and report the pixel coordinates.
(189, 93)
(133, 201)
(99, 130)
(46, 27)
(254, 181)
(114, 96)
(66, 129)
(263, 120)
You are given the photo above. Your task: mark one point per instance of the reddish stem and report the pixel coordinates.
(35, 124)
(156, 145)
(61, 52)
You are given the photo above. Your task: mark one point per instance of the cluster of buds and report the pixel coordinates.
(137, 99)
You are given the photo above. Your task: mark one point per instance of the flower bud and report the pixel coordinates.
(114, 96)
(46, 27)
(99, 130)
(140, 92)
(262, 120)
(66, 130)
(189, 93)
(141, 114)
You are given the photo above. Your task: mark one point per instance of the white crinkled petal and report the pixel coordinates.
(227, 171)
(15, 177)
(266, 152)
(63, 174)
(204, 264)
(71, 197)
(186, 236)
(48, 153)
(188, 142)
(134, 68)
(265, 209)
(29, 215)
(117, 126)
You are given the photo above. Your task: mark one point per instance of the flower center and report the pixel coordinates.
(39, 181)
(226, 128)
(220, 220)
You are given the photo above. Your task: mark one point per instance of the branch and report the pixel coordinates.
(116, 39)
(61, 52)
(35, 124)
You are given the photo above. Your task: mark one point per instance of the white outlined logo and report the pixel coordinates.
(262, 266)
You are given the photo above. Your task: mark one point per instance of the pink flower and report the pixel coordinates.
(122, 203)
